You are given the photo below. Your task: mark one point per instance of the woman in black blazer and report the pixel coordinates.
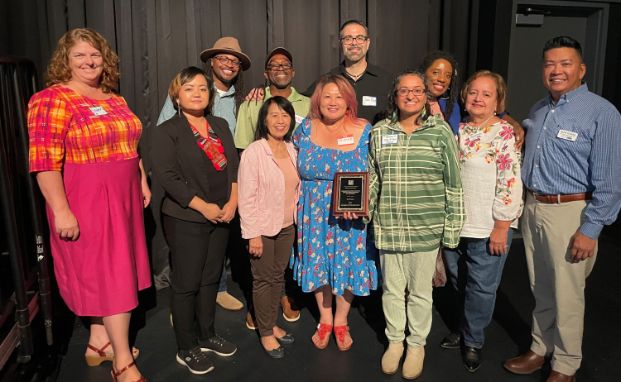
(195, 160)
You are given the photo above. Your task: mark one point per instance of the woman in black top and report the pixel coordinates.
(196, 162)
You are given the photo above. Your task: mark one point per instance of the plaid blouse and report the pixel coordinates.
(66, 127)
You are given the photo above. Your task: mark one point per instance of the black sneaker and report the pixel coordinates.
(195, 360)
(218, 345)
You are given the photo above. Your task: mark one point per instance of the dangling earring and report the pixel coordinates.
(178, 108)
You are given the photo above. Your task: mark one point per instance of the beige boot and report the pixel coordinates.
(413, 364)
(392, 357)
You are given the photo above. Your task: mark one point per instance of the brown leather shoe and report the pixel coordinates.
(250, 324)
(290, 312)
(555, 376)
(526, 363)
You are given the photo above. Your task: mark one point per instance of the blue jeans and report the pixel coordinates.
(476, 275)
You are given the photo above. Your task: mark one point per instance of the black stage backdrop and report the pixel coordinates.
(156, 38)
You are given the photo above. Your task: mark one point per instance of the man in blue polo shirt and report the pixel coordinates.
(572, 171)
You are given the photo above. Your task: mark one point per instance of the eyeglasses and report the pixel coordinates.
(403, 92)
(350, 39)
(227, 61)
(282, 67)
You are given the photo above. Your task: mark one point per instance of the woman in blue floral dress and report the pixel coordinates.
(332, 255)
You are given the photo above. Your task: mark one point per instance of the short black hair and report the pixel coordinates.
(353, 21)
(283, 104)
(562, 42)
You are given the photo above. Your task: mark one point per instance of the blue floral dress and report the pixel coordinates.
(330, 251)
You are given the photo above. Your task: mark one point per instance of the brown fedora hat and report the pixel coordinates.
(227, 45)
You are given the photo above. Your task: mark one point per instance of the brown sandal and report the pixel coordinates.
(96, 360)
(115, 373)
(321, 338)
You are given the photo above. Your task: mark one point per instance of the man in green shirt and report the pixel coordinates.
(279, 73)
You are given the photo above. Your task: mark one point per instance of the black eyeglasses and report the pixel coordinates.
(402, 92)
(275, 67)
(227, 61)
(350, 39)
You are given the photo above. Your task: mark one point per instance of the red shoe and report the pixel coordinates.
(117, 373)
(321, 338)
(102, 356)
(343, 338)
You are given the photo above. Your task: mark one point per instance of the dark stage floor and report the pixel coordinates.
(507, 335)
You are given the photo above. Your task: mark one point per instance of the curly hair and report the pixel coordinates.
(452, 94)
(393, 111)
(58, 70)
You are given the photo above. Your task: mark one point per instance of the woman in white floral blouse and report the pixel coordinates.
(490, 173)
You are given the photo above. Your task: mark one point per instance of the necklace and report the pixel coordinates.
(482, 124)
(355, 77)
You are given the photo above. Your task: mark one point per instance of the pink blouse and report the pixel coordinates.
(262, 191)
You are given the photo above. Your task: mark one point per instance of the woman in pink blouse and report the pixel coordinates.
(490, 173)
(268, 193)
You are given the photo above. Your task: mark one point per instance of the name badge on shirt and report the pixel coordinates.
(390, 139)
(567, 135)
(98, 110)
(298, 119)
(369, 101)
(345, 140)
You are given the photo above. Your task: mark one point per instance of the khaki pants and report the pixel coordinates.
(407, 296)
(557, 283)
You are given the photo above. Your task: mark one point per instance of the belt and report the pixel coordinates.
(561, 198)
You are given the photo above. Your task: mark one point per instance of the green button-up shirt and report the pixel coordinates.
(249, 114)
(415, 193)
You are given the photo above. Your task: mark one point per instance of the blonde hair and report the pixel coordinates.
(58, 70)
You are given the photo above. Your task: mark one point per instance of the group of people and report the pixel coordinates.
(444, 186)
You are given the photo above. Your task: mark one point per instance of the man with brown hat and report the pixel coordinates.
(222, 63)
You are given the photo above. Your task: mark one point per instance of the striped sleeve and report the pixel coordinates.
(454, 218)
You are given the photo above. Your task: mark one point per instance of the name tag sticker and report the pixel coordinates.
(349, 140)
(298, 119)
(369, 101)
(390, 139)
(98, 110)
(567, 135)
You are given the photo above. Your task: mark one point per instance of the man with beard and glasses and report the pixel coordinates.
(279, 73)
(372, 83)
(224, 63)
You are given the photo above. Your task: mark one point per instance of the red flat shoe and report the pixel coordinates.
(116, 373)
(343, 338)
(321, 338)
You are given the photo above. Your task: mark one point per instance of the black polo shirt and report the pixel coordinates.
(372, 90)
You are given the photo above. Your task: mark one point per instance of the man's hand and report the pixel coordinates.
(256, 94)
(582, 247)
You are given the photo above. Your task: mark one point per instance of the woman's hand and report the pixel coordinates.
(228, 211)
(349, 216)
(212, 212)
(66, 225)
(146, 193)
(498, 241)
(255, 246)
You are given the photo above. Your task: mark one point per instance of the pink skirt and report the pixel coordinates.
(101, 273)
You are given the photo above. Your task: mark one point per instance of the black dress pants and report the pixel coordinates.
(197, 254)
